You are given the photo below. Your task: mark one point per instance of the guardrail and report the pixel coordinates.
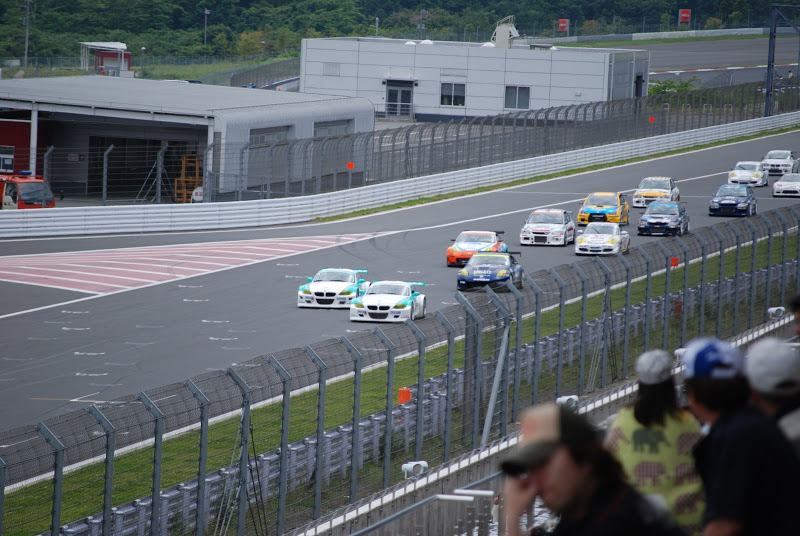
(209, 216)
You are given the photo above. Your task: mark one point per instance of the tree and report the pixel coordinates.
(672, 85)
(713, 23)
(250, 43)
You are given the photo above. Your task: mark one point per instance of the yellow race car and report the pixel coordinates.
(604, 206)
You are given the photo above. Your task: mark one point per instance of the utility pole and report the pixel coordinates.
(27, 28)
(205, 25)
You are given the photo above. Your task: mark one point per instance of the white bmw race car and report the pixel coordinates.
(389, 301)
(548, 226)
(748, 173)
(779, 162)
(655, 189)
(332, 288)
(602, 239)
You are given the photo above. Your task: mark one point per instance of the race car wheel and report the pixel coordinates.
(424, 308)
(755, 209)
(566, 240)
(680, 230)
(688, 229)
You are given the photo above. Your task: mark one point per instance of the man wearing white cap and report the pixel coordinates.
(749, 471)
(773, 370)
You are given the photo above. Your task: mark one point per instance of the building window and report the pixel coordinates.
(453, 94)
(268, 136)
(518, 97)
(325, 129)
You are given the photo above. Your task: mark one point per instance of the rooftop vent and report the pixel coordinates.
(505, 32)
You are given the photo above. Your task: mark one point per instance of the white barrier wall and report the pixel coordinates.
(210, 216)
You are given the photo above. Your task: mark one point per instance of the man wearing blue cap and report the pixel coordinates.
(749, 471)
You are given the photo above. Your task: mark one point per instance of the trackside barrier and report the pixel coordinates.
(208, 216)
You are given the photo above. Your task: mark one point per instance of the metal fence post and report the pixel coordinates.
(519, 297)
(387, 437)
(667, 272)
(241, 507)
(684, 314)
(502, 359)
(738, 234)
(108, 485)
(704, 257)
(284, 462)
(2, 492)
(785, 230)
(797, 253)
(537, 323)
(770, 236)
(355, 437)
(648, 260)
(208, 164)
(721, 276)
(323, 380)
(606, 319)
(105, 173)
(58, 475)
(625, 335)
(155, 507)
(160, 170)
(448, 418)
(202, 461)
(48, 155)
(562, 286)
(476, 377)
(582, 346)
(420, 416)
(753, 268)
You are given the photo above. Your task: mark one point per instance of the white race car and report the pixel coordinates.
(389, 301)
(602, 239)
(779, 162)
(748, 173)
(655, 189)
(548, 226)
(788, 185)
(332, 288)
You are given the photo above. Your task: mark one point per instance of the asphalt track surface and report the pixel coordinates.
(167, 310)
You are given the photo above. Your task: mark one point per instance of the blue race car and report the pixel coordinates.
(485, 268)
(662, 218)
(733, 200)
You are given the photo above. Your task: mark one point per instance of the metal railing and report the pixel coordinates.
(341, 435)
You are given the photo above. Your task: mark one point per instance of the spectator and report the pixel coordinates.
(563, 462)
(749, 471)
(773, 370)
(653, 439)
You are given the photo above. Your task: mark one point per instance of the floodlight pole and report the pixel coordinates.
(206, 13)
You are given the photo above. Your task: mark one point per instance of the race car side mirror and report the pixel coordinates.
(310, 279)
(452, 240)
(580, 231)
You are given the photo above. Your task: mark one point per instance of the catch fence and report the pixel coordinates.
(166, 171)
(276, 442)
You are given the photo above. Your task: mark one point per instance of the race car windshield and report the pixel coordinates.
(778, 155)
(345, 277)
(662, 209)
(388, 288)
(790, 177)
(475, 237)
(654, 184)
(736, 192)
(492, 260)
(746, 167)
(545, 217)
(596, 199)
(594, 228)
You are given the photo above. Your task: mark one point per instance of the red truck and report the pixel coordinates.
(25, 190)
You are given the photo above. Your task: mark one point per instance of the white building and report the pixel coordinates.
(439, 80)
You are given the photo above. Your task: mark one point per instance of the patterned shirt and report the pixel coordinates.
(659, 463)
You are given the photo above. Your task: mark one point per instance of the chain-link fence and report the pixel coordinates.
(276, 442)
(127, 170)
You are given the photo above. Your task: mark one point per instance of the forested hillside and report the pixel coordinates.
(246, 27)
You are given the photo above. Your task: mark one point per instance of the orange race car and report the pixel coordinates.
(470, 242)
